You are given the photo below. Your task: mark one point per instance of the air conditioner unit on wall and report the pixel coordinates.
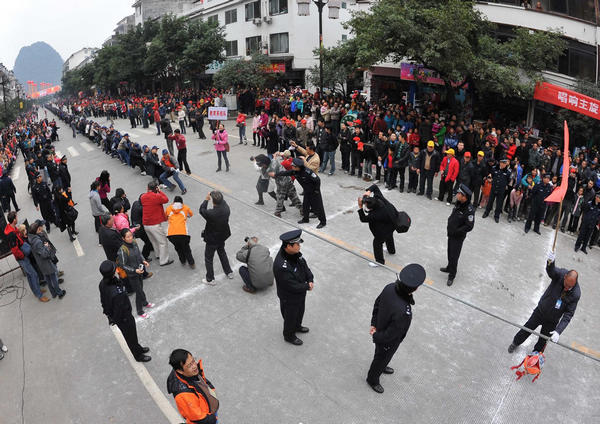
(257, 21)
(268, 19)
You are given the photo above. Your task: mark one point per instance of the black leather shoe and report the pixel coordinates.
(444, 269)
(388, 370)
(303, 221)
(512, 348)
(496, 219)
(143, 358)
(450, 281)
(537, 232)
(62, 294)
(321, 225)
(295, 341)
(485, 215)
(376, 387)
(584, 251)
(302, 330)
(145, 349)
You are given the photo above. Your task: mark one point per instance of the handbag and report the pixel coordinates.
(402, 222)
(227, 147)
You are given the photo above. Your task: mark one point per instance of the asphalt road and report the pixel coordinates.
(452, 367)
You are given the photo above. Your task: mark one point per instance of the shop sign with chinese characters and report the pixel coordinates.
(567, 99)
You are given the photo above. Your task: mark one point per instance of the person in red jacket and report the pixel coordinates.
(157, 120)
(181, 150)
(153, 217)
(449, 169)
(21, 251)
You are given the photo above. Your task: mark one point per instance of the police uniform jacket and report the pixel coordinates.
(310, 181)
(539, 193)
(115, 302)
(292, 276)
(549, 304)
(591, 212)
(392, 315)
(500, 178)
(41, 194)
(461, 220)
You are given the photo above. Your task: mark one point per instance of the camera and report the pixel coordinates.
(246, 239)
(251, 158)
(369, 201)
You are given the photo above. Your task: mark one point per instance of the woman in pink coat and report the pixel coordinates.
(121, 220)
(221, 146)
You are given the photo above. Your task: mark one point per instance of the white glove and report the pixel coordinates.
(554, 336)
(551, 256)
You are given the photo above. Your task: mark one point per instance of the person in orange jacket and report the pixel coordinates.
(449, 169)
(193, 392)
(178, 234)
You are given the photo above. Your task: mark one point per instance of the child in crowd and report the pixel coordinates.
(485, 192)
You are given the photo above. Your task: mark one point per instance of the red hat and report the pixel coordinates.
(303, 121)
(358, 122)
(356, 139)
(467, 154)
(573, 170)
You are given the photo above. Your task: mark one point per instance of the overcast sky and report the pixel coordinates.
(67, 25)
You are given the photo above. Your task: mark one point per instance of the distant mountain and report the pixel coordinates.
(40, 63)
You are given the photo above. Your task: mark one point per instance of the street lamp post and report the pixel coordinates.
(334, 9)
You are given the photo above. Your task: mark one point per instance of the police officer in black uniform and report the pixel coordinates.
(591, 215)
(538, 207)
(311, 183)
(555, 308)
(117, 307)
(392, 315)
(500, 177)
(42, 199)
(293, 278)
(460, 222)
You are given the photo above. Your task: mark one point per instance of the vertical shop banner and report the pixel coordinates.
(567, 99)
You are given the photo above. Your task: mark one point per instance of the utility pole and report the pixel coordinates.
(4, 96)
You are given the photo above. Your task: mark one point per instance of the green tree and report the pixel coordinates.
(336, 70)
(452, 38)
(243, 73)
(206, 45)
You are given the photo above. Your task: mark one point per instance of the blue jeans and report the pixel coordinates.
(242, 133)
(52, 281)
(124, 156)
(164, 179)
(328, 156)
(32, 277)
(245, 274)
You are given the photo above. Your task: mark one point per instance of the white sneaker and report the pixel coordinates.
(230, 275)
(4, 349)
(373, 265)
(210, 283)
(142, 173)
(163, 186)
(447, 203)
(149, 305)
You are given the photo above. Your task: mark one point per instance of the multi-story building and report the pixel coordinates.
(79, 58)
(9, 85)
(274, 27)
(125, 25)
(152, 9)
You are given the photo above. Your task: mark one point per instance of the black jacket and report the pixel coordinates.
(64, 175)
(114, 300)
(292, 276)
(42, 196)
(477, 172)
(381, 218)
(7, 187)
(434, 161)
(392, 315)
(310, 182)
(461, 220)
(591, 213)
(500, 179)
(111, 241)
(539, 193)
(554, 292)
(217, 229)
(137, 213)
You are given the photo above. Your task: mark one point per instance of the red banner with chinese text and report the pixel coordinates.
(567, 99)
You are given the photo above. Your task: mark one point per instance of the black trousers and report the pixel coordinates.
(182, 247)
(401, 173)
(378, 247)
(129, 332)
(535, 320)
(536, 213)
(345, 159)
(182, 160)
(381, 359)
(445, 187)
(313, 202)
(137, 285)
(292, 313)
(413, 180)
(355, 163)
(585, 232)
(141, 234)
(426, 176)
(476, 190)
(498, 197)
(209, 254)
(454, 247)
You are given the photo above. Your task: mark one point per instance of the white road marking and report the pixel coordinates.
(17, 173)
(73, 151)
(78, 248)
(157, 395)
(86, 146)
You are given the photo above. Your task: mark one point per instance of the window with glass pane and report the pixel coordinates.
(230, 16)
(558, 6)
(278, 7)
(231, 48)
(253, 45)
(344, 5)
(279, 43)
(582, 65)
(252, 10)
(583, 9)
(214, 19)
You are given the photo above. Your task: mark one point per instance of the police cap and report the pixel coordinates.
(298, 162)
(412, 275)
(291, 237)
(463, 189)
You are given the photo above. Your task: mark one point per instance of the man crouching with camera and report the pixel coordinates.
(258, 274)
(379, 213)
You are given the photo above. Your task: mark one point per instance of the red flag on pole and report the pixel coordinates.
(559, 194)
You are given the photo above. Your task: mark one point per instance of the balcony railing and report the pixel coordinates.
(584, 10)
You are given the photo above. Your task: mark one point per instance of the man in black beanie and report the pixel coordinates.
(392, 314)
(116, 306)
